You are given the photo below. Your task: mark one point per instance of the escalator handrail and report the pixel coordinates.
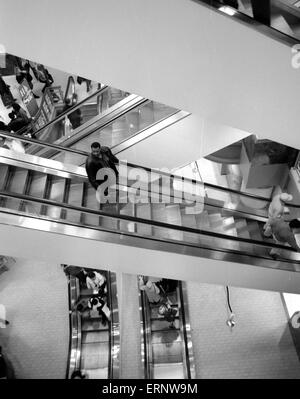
(173, 176)
(182, 316)
(70, 330)
(154, 223)
(70, 110)
(109, 122)
(246, 19)
(148, 358)
(75, 328)
(111, 336)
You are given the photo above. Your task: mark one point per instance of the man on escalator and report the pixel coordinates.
(100, 157)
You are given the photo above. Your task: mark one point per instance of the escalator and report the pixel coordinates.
(166, 349)
(277, 18)
(222, 224)
(116, 119)
(94, 345)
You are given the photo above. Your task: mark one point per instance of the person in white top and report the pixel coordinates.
(276, 210)
(95, 281)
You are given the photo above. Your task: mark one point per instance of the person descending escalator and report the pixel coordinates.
(167, 285)
(5, 93)
(98, 303)
(282, 234)
(20, 113)
(17, 123)
(78, 272)
(100, 157)
(276, 210)
(169, 313)
(151, 289)
(97, 282)
(74, 117)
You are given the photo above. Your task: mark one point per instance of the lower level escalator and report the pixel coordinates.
(166, 344)
(94, 343)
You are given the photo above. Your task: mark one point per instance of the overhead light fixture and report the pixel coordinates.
(227, 10)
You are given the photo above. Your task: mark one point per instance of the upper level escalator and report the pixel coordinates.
(279, 19)
(218, 223)
(116, 118)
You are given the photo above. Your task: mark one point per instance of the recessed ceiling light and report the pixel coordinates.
(227, 10)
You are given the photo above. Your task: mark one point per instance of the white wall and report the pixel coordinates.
(58, 248)
(179, 144)
(177, 52)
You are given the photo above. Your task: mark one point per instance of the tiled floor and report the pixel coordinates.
(35, 296)
(259, 346)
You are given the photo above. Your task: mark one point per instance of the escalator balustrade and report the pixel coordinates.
(98, 348)
(167, 349)
(220, 223)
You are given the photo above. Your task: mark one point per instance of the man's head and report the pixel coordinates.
(96, 148)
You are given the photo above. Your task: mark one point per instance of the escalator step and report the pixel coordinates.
(160, 325)
(37, 186)
(158, 214)
(94, 356)
(95, 336)
(170, 352)
(107, 222)
(242, 231)
(144, 211)
(57, 190)
(255, 234)
(203, 221)
(166, 337)
(75, 198)
(18, 179)
(96, 374)
(3, 175)
(128, 209)
(189, 221)
(92, 325)
(173, 216)
(155, 315)
(169, 371)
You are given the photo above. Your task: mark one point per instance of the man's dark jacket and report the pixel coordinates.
(93, 164)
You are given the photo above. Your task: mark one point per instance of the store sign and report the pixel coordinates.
(28, 98)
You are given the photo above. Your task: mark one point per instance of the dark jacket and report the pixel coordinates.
(75, 117)
(93, 164)
(17, 124)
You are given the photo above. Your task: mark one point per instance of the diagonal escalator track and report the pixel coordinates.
(222, 224)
